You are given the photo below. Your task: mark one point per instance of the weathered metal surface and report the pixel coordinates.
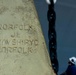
(22, 46)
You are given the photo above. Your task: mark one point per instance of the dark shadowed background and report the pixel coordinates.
(65, 28)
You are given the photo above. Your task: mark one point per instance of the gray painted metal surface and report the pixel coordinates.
(65, 28)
